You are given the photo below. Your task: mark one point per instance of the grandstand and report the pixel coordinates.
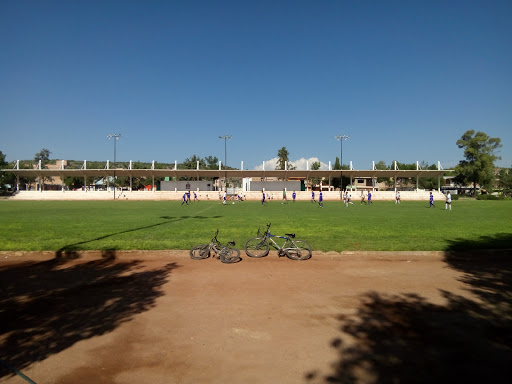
(273, 182)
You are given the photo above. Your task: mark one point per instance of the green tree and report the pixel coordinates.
(5, 177)
(191, 162)
(381, 166)
(212, 162)
(282, 159)
(314, 167)
(505, 181)
(480, 154)
(44, 156)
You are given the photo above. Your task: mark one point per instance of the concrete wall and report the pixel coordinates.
(190, 185)
(290, 186)
(212, 195)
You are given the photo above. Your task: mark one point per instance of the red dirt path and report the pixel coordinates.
(170, 319)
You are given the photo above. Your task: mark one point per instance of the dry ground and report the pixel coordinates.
(164, 318)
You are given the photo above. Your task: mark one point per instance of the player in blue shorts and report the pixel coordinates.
(294, 195)
(369, 198)
(321, 200)
(431, 201)
(313, 197)
(263, 198)
(184, 198)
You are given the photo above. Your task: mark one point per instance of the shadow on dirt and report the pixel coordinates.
(48, 306)
(406, 339)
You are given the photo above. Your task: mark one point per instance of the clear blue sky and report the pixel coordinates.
(404, 79)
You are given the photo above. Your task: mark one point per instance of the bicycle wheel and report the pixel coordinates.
(229, 255)
(300, 251)
(201, 251)
(257, 247)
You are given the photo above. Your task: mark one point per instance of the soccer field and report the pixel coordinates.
(159, 225)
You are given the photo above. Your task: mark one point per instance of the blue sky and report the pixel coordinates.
(403, 79)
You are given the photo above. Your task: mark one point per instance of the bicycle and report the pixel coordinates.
(259, 246)
(226, 253)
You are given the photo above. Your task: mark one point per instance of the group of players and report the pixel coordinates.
(365, 199)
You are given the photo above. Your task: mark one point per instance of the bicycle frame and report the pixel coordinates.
(269, 237)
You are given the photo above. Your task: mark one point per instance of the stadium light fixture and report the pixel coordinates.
(116, 137)
(340, 138)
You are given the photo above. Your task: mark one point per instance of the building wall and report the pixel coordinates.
(189, 185)
(275, 185)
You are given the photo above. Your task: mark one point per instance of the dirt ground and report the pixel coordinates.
(336, 318)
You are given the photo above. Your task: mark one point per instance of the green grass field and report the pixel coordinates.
(156, 225)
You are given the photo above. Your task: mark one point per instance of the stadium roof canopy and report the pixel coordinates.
(221, 173)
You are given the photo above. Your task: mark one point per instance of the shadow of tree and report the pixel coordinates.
(48, 306)
(406, 339)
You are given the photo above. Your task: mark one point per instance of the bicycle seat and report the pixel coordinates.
(231, 243)
(292, 235)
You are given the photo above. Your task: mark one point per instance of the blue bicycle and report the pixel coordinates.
(259, 246)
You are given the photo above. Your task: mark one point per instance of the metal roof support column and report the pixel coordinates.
(439, 177)
(131, 178)
(41, 180)
(17, 176)
(417, 176)
(373, 178)
(395, 176)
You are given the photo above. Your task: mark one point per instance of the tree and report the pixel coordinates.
(44, 157)
(336, 180)
(315, 166)
(5, 177)
(479, 153)
(191, 163)
(505, 181)
(282, 155)
(212, 162)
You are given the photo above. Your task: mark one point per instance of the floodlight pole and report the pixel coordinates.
(340, 138)
(225, 138)
(116, 137)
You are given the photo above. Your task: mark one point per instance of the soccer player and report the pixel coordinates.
(263, 198)
(224, 198)
(397, 197)
(313, 197)
(195, 197)
(431, 201)
(284, 197)
(188, 196)
(294, 195)
(369, 198)
(321, 200)
(363, 198)
(347, 200)
(184, 198)
(448, 204)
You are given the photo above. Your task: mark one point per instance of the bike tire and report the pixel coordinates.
(200, 251)
(230, 255)
(257, 247)
(301, 251)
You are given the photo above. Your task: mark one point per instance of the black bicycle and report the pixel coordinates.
(292, 248)
(226, 253)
